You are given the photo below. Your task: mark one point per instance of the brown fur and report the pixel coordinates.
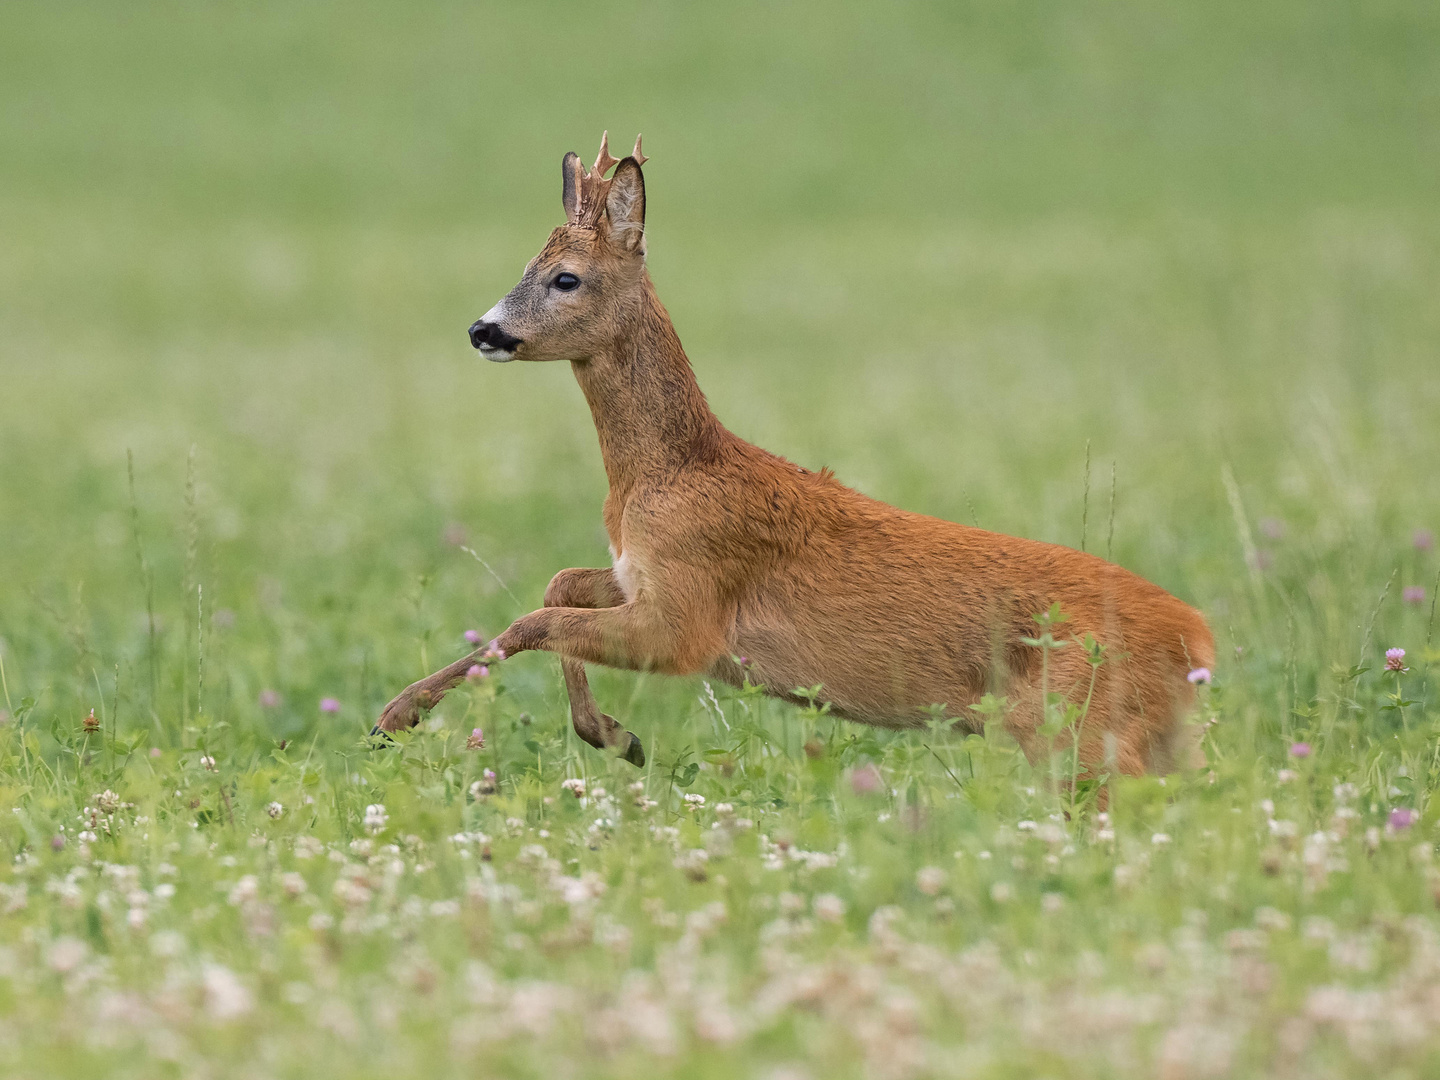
(730, 551)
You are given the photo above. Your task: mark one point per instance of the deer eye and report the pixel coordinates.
(566, 282)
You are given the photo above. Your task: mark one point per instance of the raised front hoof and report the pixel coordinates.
(633, 752)
(405, 710)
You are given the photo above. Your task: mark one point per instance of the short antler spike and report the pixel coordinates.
(590, 187)
(604, 161)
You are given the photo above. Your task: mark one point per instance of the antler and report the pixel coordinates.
(604, 161)
(591, 187)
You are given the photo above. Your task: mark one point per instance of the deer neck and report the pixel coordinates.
(649, 411)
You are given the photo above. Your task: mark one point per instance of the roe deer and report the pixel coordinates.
(723, 551)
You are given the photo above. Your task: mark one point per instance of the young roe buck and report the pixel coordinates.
(722, 550)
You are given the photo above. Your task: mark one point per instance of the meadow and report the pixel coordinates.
(1153, 280)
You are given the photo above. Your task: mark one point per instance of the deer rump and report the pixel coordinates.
(731, 561)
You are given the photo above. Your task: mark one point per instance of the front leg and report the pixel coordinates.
(591, 589)
(420, 697)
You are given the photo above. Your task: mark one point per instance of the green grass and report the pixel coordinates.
(954, 253)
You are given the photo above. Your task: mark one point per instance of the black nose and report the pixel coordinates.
(489, 336)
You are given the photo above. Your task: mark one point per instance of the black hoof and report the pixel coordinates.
(634, 752)
(377, 733)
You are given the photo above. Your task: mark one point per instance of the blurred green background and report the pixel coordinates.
(941, 248)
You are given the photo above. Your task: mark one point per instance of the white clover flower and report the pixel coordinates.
(1160, 839)
(829, 908)
(65, 954)
(692, 863)
(695, 799)
(275, 810)
(292, 883)
(208, 762)
(930, 880)
(307, 847)
(245, 890)
(574, 785)
(376, 817)
(226, 997)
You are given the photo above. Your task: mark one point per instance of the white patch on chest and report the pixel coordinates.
(626, 575)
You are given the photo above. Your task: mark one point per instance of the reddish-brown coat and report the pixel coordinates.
(724, 550)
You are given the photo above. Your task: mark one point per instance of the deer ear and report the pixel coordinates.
(570, 192)
(625, 206)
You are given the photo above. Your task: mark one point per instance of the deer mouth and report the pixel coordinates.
(493, 343)
(496, 356)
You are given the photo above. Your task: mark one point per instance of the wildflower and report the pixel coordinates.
(493, 652)
(207, 762)
(866, 780)
(1052, 902)
(1395, 660)
(1402, 817)
(1300, 750)
(90, 724)
(66, 954)
(292, 883)
(330, 705)
(695, 800)
(829, 908)
(1160, 839)
(477, 672)
(376, 817)
(307, 847)
(692, 863)
(225, 995)
(57, 843)
(107, 801)
(245, 890)
(574, 785)
(930, 880)
(275, 809)
(1413, 594)
(154, 752)
(1284, 776)
(1001, 892)
(1424, 539)
(485, 785)
(269, 699)
(1199, 677)
(474, 637)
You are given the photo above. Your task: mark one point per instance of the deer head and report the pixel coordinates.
(573, 298)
